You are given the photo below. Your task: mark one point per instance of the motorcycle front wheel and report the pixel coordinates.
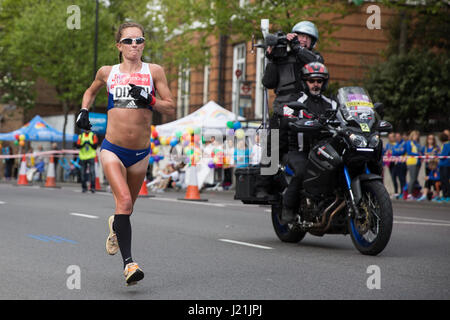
(285, 232)
(371, 230)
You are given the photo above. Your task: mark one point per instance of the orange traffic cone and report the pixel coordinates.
(98, 187)
(22, 179)
(50, 182)
(144, 192)
(192, 192)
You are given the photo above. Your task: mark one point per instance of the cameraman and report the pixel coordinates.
(283, 74)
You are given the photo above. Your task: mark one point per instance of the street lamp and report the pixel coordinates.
(95, 45)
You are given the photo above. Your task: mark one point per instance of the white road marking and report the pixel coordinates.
(423, 223)
(422, 219)
(193, 202)
(83, 215)
(246, 244)
(2, 202)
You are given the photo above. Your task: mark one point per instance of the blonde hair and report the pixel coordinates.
(413, 133)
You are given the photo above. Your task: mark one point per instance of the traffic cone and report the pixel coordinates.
(22, 179)
(98, 187)
(192, 192)
(144, 192)
(50, 181)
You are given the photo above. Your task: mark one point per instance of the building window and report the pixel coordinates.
(239, 56)
(206, 74)
(184, 75)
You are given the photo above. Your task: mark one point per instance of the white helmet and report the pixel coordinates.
(308, 28)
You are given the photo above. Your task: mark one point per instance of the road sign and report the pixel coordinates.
(245, 88)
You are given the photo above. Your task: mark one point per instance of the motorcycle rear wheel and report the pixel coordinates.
(285, 232)
(371, 232)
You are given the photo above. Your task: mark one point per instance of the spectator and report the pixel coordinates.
(39, 162)
(9, 164)
(399, 171)
(387, 152)
(164, 178)
(228, 163)
(413, 148)
(430, 149)
(255, 156)
(241, 154)
(87, 143)
(75, 169)
(431, 181)
(180, 182)
(444, 167)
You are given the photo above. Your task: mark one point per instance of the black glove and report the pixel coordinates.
(83, 120)
(140, 94)
(295, 44)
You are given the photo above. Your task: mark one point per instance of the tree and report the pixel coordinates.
(414, 88)
(43, 44)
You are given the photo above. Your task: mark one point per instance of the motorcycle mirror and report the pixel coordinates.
(385, 126)
(297, 106)
(379, 108)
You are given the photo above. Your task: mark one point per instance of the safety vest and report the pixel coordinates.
(87, 152)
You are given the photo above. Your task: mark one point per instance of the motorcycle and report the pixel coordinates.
(343, 191)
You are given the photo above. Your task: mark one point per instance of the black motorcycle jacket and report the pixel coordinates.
(317, 105)
(284, 74)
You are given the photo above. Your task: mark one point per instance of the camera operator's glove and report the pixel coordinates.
(83, 120)
(295, 44)
(305, 54)
(140, 94)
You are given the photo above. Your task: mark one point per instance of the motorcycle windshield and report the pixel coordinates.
(357, 107)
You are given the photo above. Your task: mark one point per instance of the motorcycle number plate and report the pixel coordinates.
(364, 127)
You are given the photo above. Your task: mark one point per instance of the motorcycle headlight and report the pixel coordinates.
(374, 141)
(358, 140)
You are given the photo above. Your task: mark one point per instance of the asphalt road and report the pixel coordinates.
(52, 246)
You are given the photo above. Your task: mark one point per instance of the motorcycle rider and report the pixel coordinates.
(315, 78)
(283, 75)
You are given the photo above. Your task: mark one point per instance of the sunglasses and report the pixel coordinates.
(139, 40)
(319, 81)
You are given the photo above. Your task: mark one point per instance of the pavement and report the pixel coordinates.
(54, 239)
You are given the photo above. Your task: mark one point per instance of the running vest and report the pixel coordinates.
(118, 88)
(87, 152)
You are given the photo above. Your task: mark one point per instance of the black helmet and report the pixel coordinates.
(315, 70)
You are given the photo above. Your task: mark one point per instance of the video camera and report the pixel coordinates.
(279, 44)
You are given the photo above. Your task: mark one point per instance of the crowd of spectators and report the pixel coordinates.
(404, 156)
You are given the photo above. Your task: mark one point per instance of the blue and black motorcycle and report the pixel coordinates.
(343, 191)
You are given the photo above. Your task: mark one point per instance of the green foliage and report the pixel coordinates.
(17, 92)
(38, 42)
(415, 88)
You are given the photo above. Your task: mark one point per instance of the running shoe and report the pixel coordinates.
(112, 245)
(423, 197)
(133, 273)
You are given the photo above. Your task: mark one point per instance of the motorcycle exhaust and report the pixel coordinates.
(322, 227)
